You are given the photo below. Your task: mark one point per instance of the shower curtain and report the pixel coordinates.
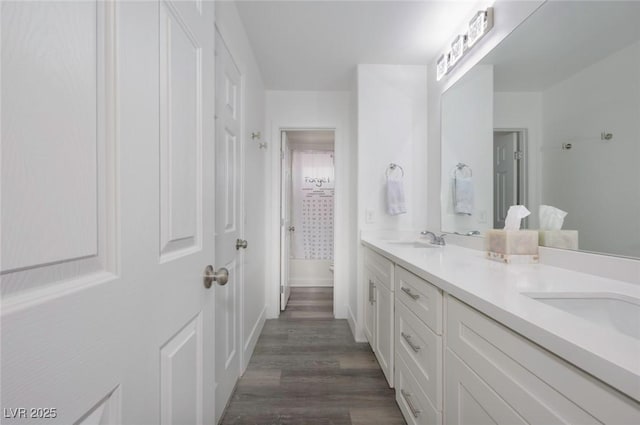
(312, 186)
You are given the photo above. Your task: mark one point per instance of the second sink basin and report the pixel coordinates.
(615, 311)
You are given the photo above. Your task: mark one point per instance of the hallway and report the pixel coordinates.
(307, 369)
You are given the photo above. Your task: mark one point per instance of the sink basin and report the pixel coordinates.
(414, 244)
(618, 312)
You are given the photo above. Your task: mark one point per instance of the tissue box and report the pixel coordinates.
(564, 239)
(512, 246)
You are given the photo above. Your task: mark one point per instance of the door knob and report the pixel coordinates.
(221, 276)
(241, 243)
(292, 228)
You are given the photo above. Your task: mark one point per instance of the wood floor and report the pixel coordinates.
(307, 370)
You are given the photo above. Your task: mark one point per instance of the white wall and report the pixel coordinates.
(392, 128)
(603, 97)
(391, 113)
(254, 190)
(467, 137)
(312, 110)
(516, 110)
(310, 273)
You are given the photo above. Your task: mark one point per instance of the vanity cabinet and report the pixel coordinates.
(494, 375)
(457, 366)
(379, 310)
(418, 347)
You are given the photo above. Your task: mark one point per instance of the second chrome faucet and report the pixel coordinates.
(436, 240)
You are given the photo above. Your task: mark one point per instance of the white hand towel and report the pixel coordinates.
(463, 195)
(395, 197)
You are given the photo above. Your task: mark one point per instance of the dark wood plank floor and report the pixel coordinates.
(307, 369)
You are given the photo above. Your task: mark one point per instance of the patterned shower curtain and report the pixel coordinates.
(312, 175)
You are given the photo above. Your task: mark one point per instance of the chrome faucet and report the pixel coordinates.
(436, 240)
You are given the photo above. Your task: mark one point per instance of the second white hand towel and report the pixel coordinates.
(395, 197)
(463, 195)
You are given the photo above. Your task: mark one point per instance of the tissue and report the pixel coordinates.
(515, 214)
(551, 218)
(512, 245)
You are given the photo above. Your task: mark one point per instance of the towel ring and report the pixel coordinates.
(392, 167)
(460, 167)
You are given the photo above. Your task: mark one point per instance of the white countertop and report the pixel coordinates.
(496, 290)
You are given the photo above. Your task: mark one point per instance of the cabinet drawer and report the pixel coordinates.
(421, 349)
(539, 386)
(413, 402)
(421, 297)
(380, 266)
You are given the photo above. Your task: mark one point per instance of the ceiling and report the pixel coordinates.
(316, 45)
(311, 139)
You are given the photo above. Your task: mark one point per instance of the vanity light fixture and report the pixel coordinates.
(441, 66)
(457, 49)
(479, 25)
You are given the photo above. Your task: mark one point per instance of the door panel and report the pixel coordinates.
(181, 367)
(66, 108)
(505, 187)
(228, 218)
(180, 135)
(228, 349)
(48, 247)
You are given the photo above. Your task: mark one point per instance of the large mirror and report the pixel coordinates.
(551, 116)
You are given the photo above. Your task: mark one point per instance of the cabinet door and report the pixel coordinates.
(540, 387)
(384, 330)
(469, 400)
(369, 308)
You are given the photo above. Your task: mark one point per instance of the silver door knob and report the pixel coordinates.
(241, 243)
(292, 228)
(210, 275)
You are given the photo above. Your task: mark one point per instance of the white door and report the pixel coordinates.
(286, 228)
(504, 175)
(107, 212)
(228, 221)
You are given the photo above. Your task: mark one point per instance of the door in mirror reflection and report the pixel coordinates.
(509, 173)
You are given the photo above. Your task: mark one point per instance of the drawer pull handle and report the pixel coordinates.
(411, 294)
(407, 398)
(407, 338)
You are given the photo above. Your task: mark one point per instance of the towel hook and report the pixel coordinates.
(392, 167)
(460, 166)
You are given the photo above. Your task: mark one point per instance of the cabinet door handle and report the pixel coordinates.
(407, 338)
(407, 398)
(371, 288)
(411, 294)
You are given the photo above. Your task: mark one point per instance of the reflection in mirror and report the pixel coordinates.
(551, 116)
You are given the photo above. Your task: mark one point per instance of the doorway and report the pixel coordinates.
(307, 211)
(509, 173)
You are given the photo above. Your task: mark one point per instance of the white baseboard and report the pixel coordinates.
(357, 333)
(252, 340)
(311, 282)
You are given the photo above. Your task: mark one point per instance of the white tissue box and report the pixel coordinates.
(564, 239)
(512, 246)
